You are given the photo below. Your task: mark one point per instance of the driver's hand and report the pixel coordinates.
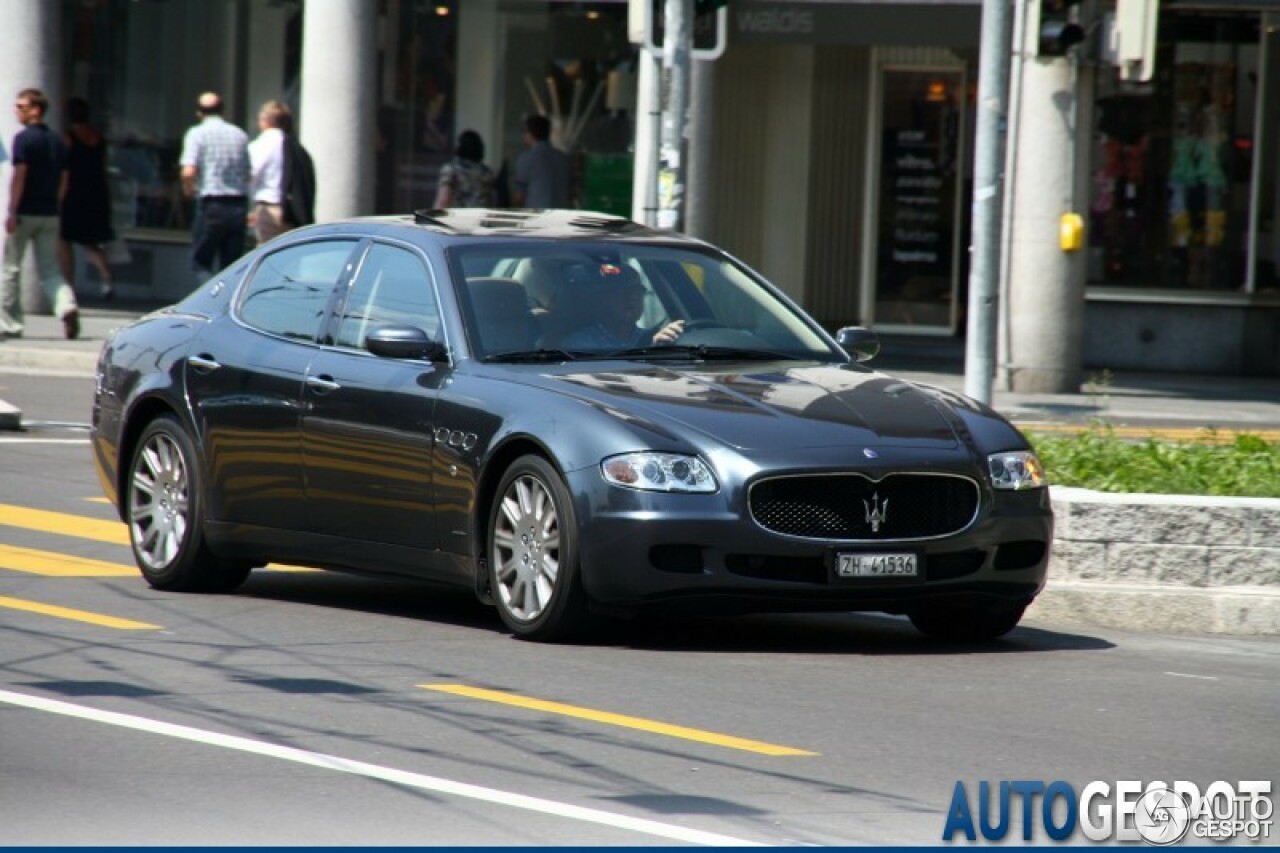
(668, 333)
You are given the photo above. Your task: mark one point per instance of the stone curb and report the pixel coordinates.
(50, 361)
(1164, 563)
(1160, 610)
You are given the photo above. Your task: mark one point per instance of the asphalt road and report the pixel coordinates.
(321, 709)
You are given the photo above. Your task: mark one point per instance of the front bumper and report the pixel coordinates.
(643, 548)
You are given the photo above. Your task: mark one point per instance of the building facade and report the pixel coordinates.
(834, 145)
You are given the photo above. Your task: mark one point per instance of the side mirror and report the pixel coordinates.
(859, 341)
(403, 342)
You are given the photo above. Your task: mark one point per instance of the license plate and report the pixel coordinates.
(876, 565)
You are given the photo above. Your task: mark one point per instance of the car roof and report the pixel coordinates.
(510, 223)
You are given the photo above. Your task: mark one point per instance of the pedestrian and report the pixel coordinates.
(86, 207)
(37, 185)
(465, 181)
(542, 170)
(283, 182)
(215, 171)
(299, 180)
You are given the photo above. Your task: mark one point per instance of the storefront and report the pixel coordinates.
(570, 60)
(838, 161)
(1184, 249)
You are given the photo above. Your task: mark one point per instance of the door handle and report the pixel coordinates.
(322, 384)
(203, 363)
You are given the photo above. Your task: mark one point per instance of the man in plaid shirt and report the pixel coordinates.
(215, 171)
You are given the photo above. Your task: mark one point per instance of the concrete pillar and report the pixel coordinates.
(338, 111)
(30, 42)
(1045, 323)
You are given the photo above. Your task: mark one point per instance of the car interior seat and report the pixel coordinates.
(502, 315)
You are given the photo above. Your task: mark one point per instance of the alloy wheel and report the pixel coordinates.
(526, 548)
(159, 502)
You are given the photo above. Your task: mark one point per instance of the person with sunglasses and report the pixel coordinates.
(35, 192)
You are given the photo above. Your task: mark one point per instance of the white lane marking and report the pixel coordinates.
(7, 440)
(1189, 675)
(375, 771)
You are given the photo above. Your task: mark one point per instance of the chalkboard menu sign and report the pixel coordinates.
(919, 164)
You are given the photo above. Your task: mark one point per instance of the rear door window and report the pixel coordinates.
(291, 288)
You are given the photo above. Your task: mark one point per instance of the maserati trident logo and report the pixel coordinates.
(876, 511)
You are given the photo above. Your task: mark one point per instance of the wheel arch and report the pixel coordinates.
(143, 413)
(497, 464)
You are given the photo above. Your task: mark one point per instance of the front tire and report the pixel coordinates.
(967, 622)
(533, 553)
(165, 514)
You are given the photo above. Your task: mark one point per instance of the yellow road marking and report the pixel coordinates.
(98, 501)
(77, 615)
(53, 564)
(612, 719)
(82, 527)
(66, 524)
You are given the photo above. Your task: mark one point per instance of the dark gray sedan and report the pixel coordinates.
(570, 414)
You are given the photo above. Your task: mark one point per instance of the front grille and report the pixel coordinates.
(851, 506)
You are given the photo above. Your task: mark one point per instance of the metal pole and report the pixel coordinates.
(698, 209)
(984, 265)
(677, 46)
(644, 186)
(1012, 130)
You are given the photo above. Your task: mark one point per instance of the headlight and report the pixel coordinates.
(659, 472)
(1016, 469)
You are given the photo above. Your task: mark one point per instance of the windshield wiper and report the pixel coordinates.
(544, 354)
(702, 352)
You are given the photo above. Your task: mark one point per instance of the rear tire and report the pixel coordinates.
(967, 622)
(164, 501)
(532, 550)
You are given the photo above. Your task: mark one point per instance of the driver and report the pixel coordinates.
(616, 303)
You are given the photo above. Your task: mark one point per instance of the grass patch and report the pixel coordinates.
(1241, 465)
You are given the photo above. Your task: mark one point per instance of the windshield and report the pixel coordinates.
(592, 300)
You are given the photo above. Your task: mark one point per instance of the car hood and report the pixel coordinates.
(767, 406)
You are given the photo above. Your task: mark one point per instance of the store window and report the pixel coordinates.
(417, 89)
(569, 60)
(141, 66)
(573, 63)
(921, 155)
(1173, 203)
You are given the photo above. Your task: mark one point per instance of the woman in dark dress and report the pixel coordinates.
(86, 207)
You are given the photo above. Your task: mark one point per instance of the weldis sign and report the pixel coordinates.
(1128, 810)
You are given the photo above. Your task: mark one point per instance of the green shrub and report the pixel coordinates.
(1099, 459)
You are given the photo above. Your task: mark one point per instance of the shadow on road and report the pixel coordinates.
(786, 633)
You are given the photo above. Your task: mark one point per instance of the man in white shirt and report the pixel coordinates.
(266, 154)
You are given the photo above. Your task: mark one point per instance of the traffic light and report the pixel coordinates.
(1058, 31)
